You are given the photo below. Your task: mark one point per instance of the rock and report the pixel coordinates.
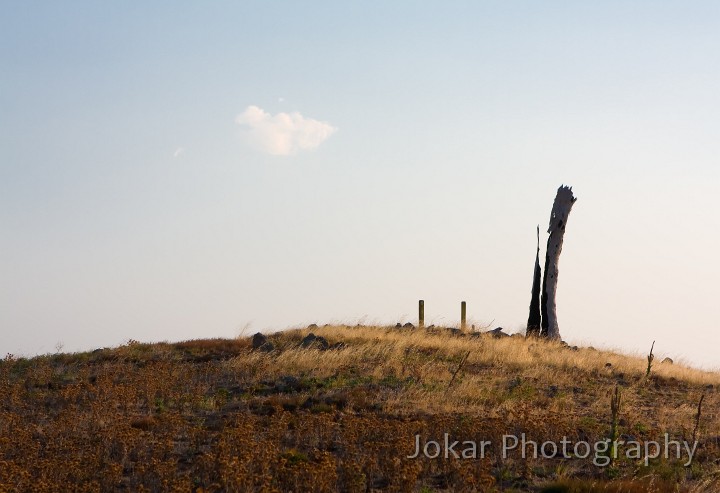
(669, 361)
(454, 331)
(498, 333)
(311, 340)
(608, 365)
(258, 340)
(574, 348)
(261, 342)
(398, 325)
(408, 326)
(308, 340)
(312, 326)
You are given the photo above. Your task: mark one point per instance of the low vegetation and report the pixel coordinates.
(217, 415)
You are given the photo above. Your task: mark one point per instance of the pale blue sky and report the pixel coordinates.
(136, 201)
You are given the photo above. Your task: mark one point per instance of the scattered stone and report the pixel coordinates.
(608, 365)
(398, 325)
(574, 348)
(669, 361)
(308, 340)
(709, 386)
(408, 326)
(261, 342)
(312, 326)
(498, 333)
(454, 331)
(311, 340)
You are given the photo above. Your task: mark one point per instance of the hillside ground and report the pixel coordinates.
(219, 415)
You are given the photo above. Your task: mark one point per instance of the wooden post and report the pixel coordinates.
(534, 319)
(421, 313)
(564, 201)
(463, 312)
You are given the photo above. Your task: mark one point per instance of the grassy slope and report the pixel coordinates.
(214, 415)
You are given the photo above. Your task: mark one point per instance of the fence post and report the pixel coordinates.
(421, 313)
(463, 313)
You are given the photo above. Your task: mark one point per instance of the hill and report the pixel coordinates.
(347, 409)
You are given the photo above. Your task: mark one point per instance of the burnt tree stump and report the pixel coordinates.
(534, 319)
(564, 201)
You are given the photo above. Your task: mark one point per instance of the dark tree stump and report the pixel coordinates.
(564, 201)
(534, 319)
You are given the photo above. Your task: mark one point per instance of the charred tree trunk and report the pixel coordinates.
(533, 324)
(564, 201)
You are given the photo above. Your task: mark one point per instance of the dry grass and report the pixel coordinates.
(428, 359)
(215, 415)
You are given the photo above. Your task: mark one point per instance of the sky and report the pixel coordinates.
(184, 170)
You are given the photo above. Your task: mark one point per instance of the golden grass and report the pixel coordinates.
(580, 379)
(517, 350)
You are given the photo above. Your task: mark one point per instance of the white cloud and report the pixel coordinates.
(178, 151)
(282, 134)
